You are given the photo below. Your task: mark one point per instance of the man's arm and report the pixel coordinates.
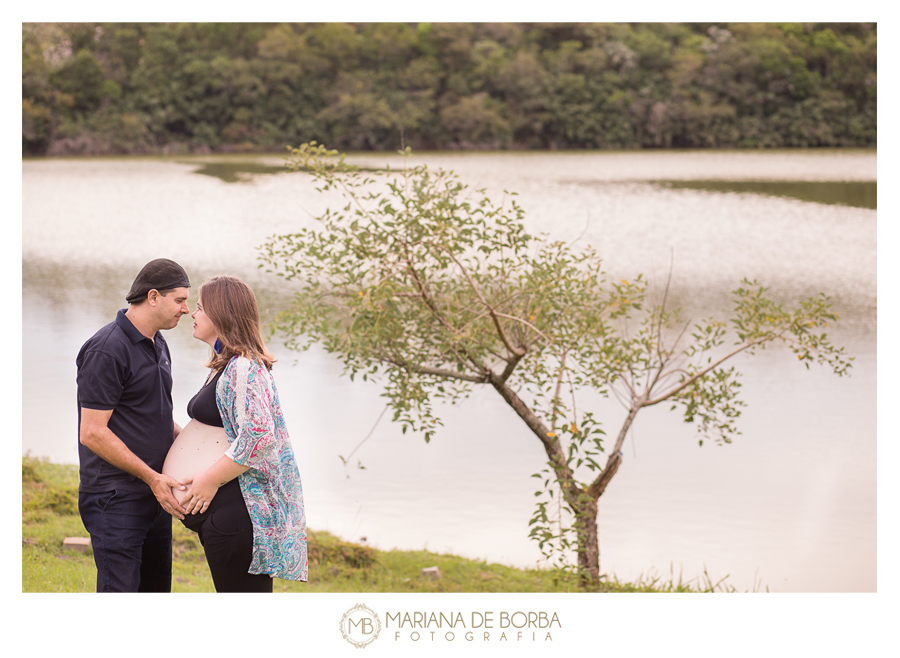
(95, 434)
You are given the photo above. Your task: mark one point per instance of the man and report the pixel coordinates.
(126, 427)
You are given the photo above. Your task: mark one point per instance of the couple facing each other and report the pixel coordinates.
(229, 475)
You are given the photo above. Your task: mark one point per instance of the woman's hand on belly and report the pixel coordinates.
(202, 489)
(203, 486)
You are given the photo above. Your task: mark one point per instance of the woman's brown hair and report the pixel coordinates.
(231, 306)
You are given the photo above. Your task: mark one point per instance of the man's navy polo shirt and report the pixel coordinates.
(121, 369)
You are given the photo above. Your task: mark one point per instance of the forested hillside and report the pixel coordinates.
(97, 88)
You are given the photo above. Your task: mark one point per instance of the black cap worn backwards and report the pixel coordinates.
(159, 274)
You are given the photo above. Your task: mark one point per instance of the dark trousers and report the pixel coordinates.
(131, 537)
(226, 533)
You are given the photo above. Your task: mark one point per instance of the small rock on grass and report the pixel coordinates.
(432, 572)
(81, 544)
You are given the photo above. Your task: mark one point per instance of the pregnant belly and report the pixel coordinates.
(196, 448)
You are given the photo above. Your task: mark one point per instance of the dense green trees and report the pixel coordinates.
(112, 88)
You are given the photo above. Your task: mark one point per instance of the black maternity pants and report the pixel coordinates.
(226, 533)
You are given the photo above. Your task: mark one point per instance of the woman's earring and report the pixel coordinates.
(218, 346)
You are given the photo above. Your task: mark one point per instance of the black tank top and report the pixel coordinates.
(202, 406)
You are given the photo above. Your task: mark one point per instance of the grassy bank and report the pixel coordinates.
(50, 514)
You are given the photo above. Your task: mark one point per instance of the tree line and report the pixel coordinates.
(97, 88)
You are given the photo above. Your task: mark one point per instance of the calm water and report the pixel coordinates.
(782, 506)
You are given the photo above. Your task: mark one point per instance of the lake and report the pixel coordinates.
(790, 505)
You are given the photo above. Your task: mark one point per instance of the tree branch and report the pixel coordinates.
(510, 366)
(425, 296)
(559, 379)
(552, 447)
(526, 323)
(691, 380)
(598, 486)
(517, 351)
(437, 372)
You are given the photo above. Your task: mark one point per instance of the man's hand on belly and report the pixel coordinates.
(161, 486)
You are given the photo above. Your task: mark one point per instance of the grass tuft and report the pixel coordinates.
(326, 549)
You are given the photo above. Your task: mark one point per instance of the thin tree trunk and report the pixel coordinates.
(588, 542)
(588, 547)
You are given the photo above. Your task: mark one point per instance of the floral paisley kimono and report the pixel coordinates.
(258, 438)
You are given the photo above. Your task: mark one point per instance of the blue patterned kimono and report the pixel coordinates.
(258, 438)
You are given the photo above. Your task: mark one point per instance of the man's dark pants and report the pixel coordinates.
(131, 536)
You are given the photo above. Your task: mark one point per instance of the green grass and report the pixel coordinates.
(50, 514)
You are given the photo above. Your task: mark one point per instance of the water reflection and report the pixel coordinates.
(236, 172)
(243, 172)
(858, 194)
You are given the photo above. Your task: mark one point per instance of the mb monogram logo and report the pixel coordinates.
(360, 626)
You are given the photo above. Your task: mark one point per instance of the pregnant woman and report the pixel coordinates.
(244, 497)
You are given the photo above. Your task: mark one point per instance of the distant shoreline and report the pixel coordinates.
(271, 152)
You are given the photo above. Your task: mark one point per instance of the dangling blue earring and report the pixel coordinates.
(218, 346)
